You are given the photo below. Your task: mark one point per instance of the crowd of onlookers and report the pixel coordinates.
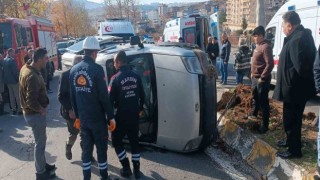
(9, 79)
(297, 80)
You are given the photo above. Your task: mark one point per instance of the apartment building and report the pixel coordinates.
(238, 9)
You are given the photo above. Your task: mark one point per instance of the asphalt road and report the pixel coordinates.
(16, 151)
(17, 160)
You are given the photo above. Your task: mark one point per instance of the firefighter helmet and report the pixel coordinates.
(91, 43)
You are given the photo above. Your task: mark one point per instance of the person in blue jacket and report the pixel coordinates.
(91, 104)
(224, 56)
(127, 95)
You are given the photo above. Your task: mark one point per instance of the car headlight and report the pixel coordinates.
(192, 65)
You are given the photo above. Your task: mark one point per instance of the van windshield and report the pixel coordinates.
(77, 47)
(62, 45)
(125, 36)
(5, 36)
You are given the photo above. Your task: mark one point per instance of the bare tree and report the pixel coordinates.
(120, 6)
(71, 18)
(13, 8)
(122, 9)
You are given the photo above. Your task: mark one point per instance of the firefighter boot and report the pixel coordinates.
(68, 151)
(136, 169)
(126, 170)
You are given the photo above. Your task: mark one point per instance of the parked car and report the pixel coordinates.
(76, 49)
(148, 40)
(180, 105)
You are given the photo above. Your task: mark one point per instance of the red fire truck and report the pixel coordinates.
(33, 32)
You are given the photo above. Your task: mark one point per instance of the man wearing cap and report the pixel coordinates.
(91, 104)
(295, 80)
(127, 95)
(261, 67)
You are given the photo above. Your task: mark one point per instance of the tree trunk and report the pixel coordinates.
(261, 19)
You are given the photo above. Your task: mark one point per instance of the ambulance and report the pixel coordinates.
(194, 29)
(116, 27)
(309, 12)
(214, 26)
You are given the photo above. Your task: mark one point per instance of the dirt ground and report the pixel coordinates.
(240, 105)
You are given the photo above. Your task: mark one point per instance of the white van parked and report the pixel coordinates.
(116, 27)
(194, 29)
(309, 12)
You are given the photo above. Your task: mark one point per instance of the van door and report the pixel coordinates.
(142, 65)
(188, 35)
(200, 31)
(214, 24)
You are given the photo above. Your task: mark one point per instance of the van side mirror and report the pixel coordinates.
(135, 40)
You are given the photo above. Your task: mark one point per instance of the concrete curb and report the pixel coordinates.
(258, 154)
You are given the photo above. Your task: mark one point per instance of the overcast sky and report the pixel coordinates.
(160, 1)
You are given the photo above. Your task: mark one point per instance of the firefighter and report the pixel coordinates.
(91, 104)
(127, 96)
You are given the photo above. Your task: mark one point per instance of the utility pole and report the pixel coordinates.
(261, 16)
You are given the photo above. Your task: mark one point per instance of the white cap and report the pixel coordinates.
(91, 43)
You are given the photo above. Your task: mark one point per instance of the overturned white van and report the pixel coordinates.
(180, 105)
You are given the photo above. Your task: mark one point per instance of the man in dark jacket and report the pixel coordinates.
(45, 72)
(295, 80)
(66, 110)
(91, 104)
(213, 50)
(11, 79)
(127, 95)
(261, 67)
(28, 57)
(224, 56)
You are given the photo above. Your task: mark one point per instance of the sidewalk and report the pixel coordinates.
(256, 152)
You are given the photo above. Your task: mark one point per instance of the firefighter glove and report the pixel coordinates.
(77, 123)
(112, 125)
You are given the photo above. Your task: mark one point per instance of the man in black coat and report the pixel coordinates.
(295, 80)
(66, 110)
(316, 71)
(213, 49)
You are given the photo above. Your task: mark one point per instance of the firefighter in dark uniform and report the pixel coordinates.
(127, 96)
(91, 104)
